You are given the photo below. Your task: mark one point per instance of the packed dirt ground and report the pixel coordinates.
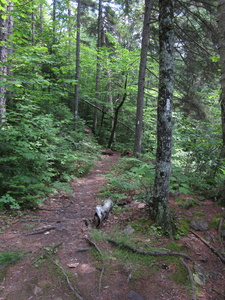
(60, 263)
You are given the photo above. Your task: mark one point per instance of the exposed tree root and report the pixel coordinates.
(48, 254)
(154, 253)
(67, 279)
(194, 296)
(42, 230)
(214, 250)
(219, 233)
(103, 263)
(49, 251)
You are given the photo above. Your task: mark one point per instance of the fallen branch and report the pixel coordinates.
(103, 263)
(194, 296)
(42, 230)
(154, 253)
(214, 250)
(67, 279)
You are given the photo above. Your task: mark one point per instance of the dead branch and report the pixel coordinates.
(155, 253)
(194, 296)
(49, 251)
(42, 230)
(100, 109)
(67, 279)
(214, 250)
(220, 234)
(103, 263)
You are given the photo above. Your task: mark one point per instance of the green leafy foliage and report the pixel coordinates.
(36, 152)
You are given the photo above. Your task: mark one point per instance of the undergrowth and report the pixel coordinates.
(40, 154)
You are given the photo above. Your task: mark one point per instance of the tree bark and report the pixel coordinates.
(221, 25)
(6, 24)
(98, 67)
(77, 75)
(164, 111)
(115, 120)
(141, 78)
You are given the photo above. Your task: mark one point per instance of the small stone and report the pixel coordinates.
(200, 225)
(37, 290)
(199, 279)
(132, 295)
(128, 230)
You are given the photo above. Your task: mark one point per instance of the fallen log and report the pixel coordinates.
(102, 212)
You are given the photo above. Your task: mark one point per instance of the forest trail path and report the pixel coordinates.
(60, 220)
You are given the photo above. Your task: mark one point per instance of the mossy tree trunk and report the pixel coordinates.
(164, 121)
(221, 25)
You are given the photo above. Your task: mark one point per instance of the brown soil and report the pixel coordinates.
(60, 223)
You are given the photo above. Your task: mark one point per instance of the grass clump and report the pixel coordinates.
(8, 259)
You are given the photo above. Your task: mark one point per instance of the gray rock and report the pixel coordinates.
(132, 295)
(128, 230)
(200, 275)
(200, 225)
(37, 290)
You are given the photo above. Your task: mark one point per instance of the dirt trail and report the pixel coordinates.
(61, 220)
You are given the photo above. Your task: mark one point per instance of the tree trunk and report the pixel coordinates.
(77, 75)
(221, 25)
(5, 30)
(111, 139)
(99, 44)
(141, 78)
(164, 121)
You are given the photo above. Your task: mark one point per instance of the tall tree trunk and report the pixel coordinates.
(141, 78)
(54, 22)
(164, 121)
(98, 67)
(221, 25)
(5, 29)
(77, 75)
(115, 121)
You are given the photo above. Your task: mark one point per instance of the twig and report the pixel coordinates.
(103, 262)
(155, 253)
(49, 251)
(214, 250)
(219, 232)
(194, 296)
(41, 231)
(67, 279)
